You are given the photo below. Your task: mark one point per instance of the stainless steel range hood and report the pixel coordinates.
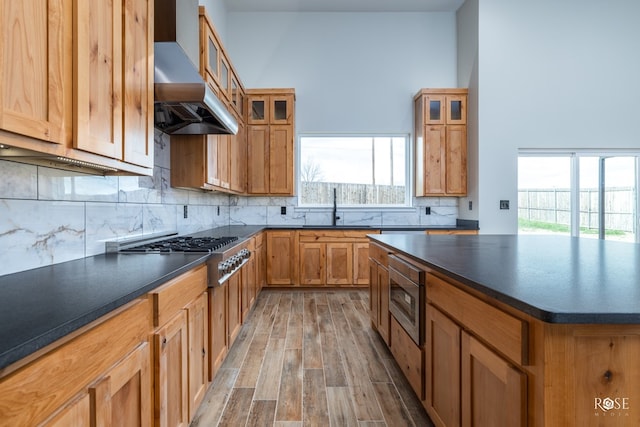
(184, 103)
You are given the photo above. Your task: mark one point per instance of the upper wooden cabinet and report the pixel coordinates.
(77, 83)
(270, 141)
(441, 142)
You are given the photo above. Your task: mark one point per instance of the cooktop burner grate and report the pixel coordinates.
(185, 244)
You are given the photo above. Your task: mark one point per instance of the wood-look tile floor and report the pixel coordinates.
(310, 358)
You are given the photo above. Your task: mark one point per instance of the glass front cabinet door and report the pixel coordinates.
(258, 110)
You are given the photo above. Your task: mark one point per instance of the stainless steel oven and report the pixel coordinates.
(406, 296)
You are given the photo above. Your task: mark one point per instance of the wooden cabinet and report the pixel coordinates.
(218, 339)
(281, 257)
(270, 141)
(249, 281)
(234, 311)
(88, 377)
(474, 354)
(333, 258)
(35, 69)
(409, 357)
(77, 83)
(213, 162)
(261, 262)
(180, 352)
(379, 290)
(440, 127)
(113, 79)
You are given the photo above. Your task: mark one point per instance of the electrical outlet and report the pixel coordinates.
(283, 210)
(470, 205)
(504, 204)
(427, 210)
(185, 211)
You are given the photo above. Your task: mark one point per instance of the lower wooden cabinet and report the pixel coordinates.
(409, 355)
(198, 328)
(234, 312)
(493, 391)
(281, 257)
(379, 290)
(218, 339)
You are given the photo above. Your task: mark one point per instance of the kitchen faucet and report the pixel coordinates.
(335, 216)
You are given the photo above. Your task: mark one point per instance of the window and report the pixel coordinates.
(579, 194)
(364, 170)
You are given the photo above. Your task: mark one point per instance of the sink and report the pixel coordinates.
(352, 227)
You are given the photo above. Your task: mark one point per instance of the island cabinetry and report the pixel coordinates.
(282, 264)
(441, 142)
(379, 289)
(261, 262)
(249, 281)
(474, 361)
(181, 359)
(88, 379)
(218, 338)
(270, 141)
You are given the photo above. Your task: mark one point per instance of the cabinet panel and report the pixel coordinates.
(76, 413)
(493, 392)
(281, 159)
(171, 372)
(442, 368)
(339, 263)
(281, 258)
(374, 293)
(434, 159)
(409, 357)
(435, 109)
(258, 160)
(98, 90)
(35, 64)
(224, 155)
(237, 160)
(218, 342)
(258, 113)
(198, 327)
(281, 110)
(312, 264)
(361, 263)
(385, 315)
(234, 313)
(456, 160)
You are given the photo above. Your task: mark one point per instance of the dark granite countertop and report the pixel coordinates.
(552, 278)
(39, 306)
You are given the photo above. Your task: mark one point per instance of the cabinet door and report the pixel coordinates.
(442, 368)
(409, 356)
(374, 293)
(360, 263)
(224, 160)
(198, 327)
(434, 109)
(225, 78)
(339, 263)
(212, 173)
(281, 109)
(171, 372)
(238, 160)
(281, 159)
(234, 313)
(35, 69)
(493, 392)
(218, 345)
(383, 283)
(312, 264)
(258, 159)
(258, 110)
(123, 396)
(456, 109)
(98, 86)
(456, 160)
(261, 267)
(210, 48)
(281, 258)
(137, 48)
(434, 160)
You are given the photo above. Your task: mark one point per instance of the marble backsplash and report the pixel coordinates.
(49, 216)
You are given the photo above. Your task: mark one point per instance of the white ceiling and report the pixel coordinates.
(343, 5)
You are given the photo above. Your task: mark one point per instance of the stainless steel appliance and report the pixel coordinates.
(227, 253)
(406, 296)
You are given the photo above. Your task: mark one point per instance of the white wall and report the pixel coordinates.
(552, 75)
(352, 72)
(217, 11)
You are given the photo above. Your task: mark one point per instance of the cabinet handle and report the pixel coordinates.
(164, 342)
(204, 353)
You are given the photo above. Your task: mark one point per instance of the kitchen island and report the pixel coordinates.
(528, 330)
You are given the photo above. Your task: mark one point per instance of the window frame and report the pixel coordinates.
(408, 173)
(574, 174)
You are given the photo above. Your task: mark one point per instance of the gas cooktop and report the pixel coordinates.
(184, 244)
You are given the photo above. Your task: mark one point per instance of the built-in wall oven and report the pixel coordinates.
(406, 296)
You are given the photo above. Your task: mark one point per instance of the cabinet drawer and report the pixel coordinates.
(335, 235)
(177, 293)
(506, 333)
(409, 356)
(379, 254)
